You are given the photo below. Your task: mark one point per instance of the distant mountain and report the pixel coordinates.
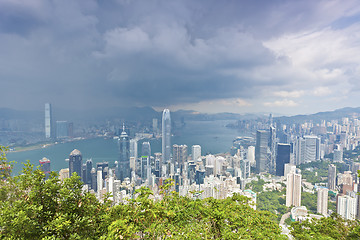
(317, 117)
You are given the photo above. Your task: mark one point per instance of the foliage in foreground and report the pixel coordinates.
(333, 227)
(34, 208)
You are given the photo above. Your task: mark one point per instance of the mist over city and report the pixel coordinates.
(182, 119)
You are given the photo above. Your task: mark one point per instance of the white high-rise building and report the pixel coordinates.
(251, 155)
(293, 189)
(346, 207)
(196, 152)
(48, 121)
(322, 201)
(332, 177)
(166, 136)
(307, 149)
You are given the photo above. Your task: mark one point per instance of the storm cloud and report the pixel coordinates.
(234, 56)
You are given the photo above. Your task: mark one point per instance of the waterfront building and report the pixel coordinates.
(166, 136)
(282, 157)
(332, 177)
(45, 166)
(48, 121)
(293, 189)
(124, 170)
(63, 173)
(322, 201)
(75, 163)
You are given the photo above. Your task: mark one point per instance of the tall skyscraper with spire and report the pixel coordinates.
(124, 170)
(166, 135)
(48, 121)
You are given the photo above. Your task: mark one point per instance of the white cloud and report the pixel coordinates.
(289, 94)
(281, 103)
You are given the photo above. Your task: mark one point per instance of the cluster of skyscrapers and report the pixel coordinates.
(57, 130)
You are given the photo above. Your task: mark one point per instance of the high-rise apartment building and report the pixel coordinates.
(332, 177)
(293, 189)
(196, 152)
(282, 157)
(262, 151)
(124, 170)
(75, 163)
(346, 206)
(322, 201)
(48, 121)
(166, 135)
(272, 149)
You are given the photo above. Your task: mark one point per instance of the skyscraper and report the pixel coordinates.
(307, 149)
(166, 135)
(332, 177)
(124, 159)
(282, 157)
(48, 121)
(272, 148)
(322, 201)
(196, 152)
(133, 148)
(293, 189)
(75, 163)
(180, 155)
(146, 149)
(262, 151)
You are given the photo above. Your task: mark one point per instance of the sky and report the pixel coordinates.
(282, 56)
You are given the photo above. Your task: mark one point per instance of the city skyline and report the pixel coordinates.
(283, 57)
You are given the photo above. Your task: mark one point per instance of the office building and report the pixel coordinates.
(293, 189)
(48, 121)
(155, 125)
(272, 149)
(166, 136)
(75, 163)
(322, 201)
(133, 148)
(282, 158)
(332, 177)
(346, 207)
(146, 149)
(88, 168)
(196, 152)
(262, 151)
(307, 149)
(124, 170)
(245, 168)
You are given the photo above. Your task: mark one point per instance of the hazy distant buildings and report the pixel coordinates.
(282, 157)
(261, 151)
(322, 201)
(293, 189)
(124, 170)
(166, 136)
(133, 148)
(48, 121)
(332, 177)
(64, 129)
(75, 163)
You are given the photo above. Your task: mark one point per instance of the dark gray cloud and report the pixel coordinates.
(159, 53)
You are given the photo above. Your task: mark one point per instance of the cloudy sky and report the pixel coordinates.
(286, 57)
